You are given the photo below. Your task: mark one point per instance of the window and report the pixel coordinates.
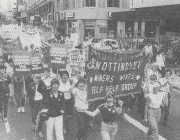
(129, 29)
(90, 3)
(112, 3)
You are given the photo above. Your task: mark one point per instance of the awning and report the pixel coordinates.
(150, 13)
(136, 15)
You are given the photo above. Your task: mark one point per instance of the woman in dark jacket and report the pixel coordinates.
(36, 94)
(55, 104)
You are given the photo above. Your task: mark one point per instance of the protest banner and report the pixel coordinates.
(37, 66)
(22, 63)
(122, 72)
(1, 56)
(58, 56)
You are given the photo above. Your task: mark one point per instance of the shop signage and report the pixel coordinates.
(69, 14)
(75, 24)
(110, 14)
(89, 24)
(62, 15)
(122, 72)
(57, 16)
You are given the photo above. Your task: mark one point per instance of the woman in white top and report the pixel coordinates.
(153, 113)
(65, 87)
(80, 98)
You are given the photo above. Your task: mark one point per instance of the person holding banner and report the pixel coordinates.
(153, 112)
(109, 111)
(65, 87)
(5, 82)
(19, 91)
(36, 93)
(80, 98)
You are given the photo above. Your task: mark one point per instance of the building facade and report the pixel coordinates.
(88, 17)
(41, 11)
(147, 19)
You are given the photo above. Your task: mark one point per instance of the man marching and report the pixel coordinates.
(5, 82)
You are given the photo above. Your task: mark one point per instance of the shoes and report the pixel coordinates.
(22, 109)
(41, 135)
(5, 119)
(19, 110)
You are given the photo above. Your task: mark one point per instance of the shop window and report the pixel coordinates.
(112, 3)
(90, 3)
(129, 29)
(150, 29)
(103, 30)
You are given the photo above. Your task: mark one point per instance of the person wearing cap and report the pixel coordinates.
(80, 98)
(55, 105)
(36, 92)
(109, 111)
(153, 112)
(166, 86)
(65, 87)
(5, 82)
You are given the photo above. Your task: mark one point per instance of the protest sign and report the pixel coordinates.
(58, 56)
(122, 72)
(76, 61)
(1, 56)
(37, 66)
(22, 63)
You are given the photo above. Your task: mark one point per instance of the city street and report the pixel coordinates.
(21, 125)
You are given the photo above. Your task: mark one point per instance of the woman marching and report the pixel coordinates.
(80, 98)
(55, 104)
(154, 100)
(110, 111)
(65, 87)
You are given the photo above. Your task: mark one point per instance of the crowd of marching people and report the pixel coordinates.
(55, 98)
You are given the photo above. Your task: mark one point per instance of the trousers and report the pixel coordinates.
(83, 121)
(4, 105)
(154, 115)
(55, 123)
(108, 131)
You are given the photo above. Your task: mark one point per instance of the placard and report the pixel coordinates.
(58, 56)
(22, 63)
(37, 66)
(122, 72)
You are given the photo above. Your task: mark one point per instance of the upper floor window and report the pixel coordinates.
(112, 3)
(90, 3)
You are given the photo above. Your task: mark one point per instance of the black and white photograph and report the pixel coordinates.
(89, 69)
